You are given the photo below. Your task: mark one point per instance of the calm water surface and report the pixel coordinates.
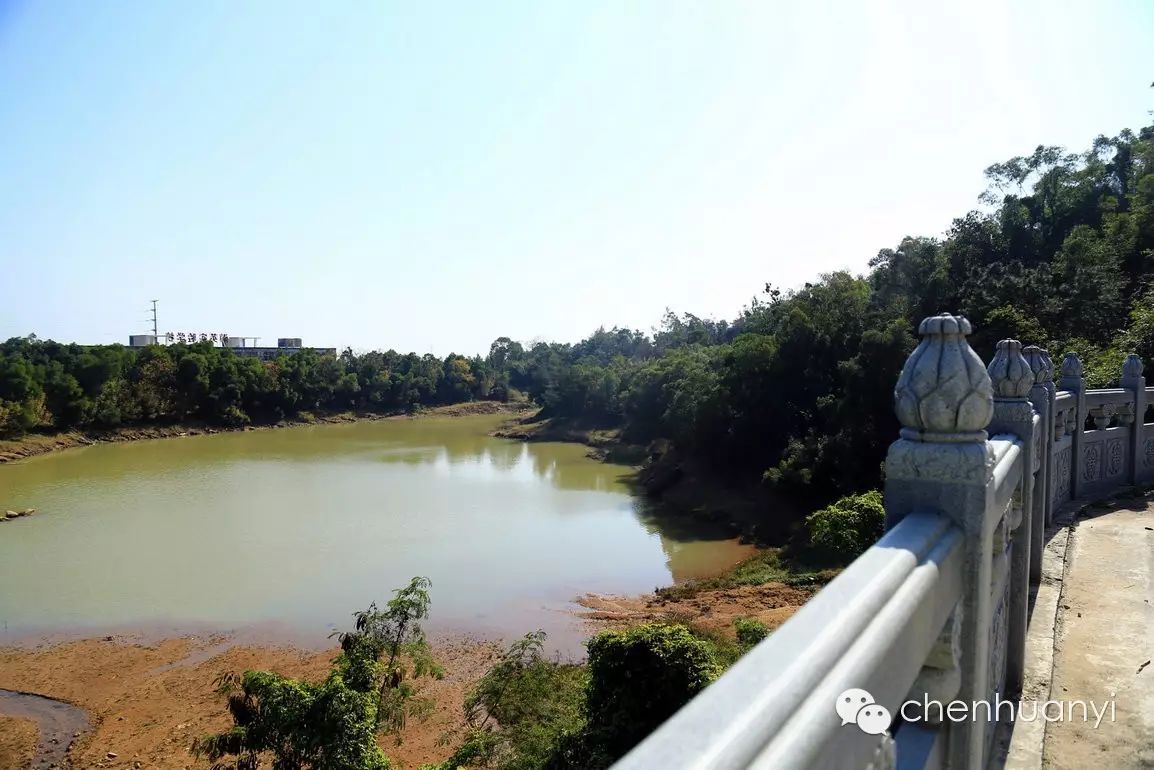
(297, 528)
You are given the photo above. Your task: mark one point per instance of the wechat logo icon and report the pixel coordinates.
(857, 707)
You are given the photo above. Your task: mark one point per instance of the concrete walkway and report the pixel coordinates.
(1104, 641)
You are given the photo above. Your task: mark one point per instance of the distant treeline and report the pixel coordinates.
(796, 391)
(45, 384)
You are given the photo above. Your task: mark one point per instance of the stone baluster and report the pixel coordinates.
(1042, 397)
(1052, 389)
(1013, 378)
(1072, 381)
(1133, 381)
(1101, 416)
(944, 401)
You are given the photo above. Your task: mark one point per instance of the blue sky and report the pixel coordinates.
(430, 176)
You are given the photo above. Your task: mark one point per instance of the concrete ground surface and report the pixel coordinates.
(1104, 641)
(1020, 745)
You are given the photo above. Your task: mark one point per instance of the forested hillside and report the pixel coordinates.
(796, 391)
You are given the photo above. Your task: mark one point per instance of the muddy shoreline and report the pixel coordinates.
(35, 444)
(58, 723)
(145, 697)
(137, 700)
(145, 703)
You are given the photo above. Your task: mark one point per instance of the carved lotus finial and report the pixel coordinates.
(1071, 365)
(1071, 372)
(1040, 363)
(1132, 368)
(1010, 373)
(944, 392)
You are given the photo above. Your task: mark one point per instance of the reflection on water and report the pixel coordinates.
(694, 548)
(302, 526)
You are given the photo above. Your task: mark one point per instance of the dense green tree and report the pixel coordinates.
(638, 678)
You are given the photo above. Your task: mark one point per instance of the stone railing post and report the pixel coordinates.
(944, 401)
(1073, 381)
(1042, 395)
(1133, 381)
(1013, 378)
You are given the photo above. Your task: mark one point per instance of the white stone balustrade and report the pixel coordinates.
(938, 608)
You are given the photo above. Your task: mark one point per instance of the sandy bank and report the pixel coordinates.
(17, 743)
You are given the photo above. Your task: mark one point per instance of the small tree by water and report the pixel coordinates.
(520, 710)
(844, 530)
(532, 713)
(334, 724)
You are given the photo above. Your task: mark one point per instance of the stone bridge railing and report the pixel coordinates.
(937, 610)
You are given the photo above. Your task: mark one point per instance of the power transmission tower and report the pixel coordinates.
(154, 333)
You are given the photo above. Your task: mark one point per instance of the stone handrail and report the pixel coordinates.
(871, 627)
(1108, 396)
(937, 609)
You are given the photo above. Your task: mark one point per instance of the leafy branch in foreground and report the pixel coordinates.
(334, 724)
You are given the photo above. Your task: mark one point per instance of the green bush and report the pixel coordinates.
(844, 530)
(517, 714)
(638, 678)
(750, 631)
(302, 725)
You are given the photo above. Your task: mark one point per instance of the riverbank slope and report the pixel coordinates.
(34, 444)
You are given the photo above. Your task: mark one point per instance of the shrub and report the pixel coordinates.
(518, 712)
(334, 723)
(750, 631)
(638, 678)
(844, 530)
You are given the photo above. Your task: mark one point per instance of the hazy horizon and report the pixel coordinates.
(432, 178)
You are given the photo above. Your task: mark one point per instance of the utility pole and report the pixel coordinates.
(154, 333)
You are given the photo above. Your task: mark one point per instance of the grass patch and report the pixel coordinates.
(768, 566)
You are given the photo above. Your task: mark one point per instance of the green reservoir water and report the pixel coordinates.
(295, 529)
